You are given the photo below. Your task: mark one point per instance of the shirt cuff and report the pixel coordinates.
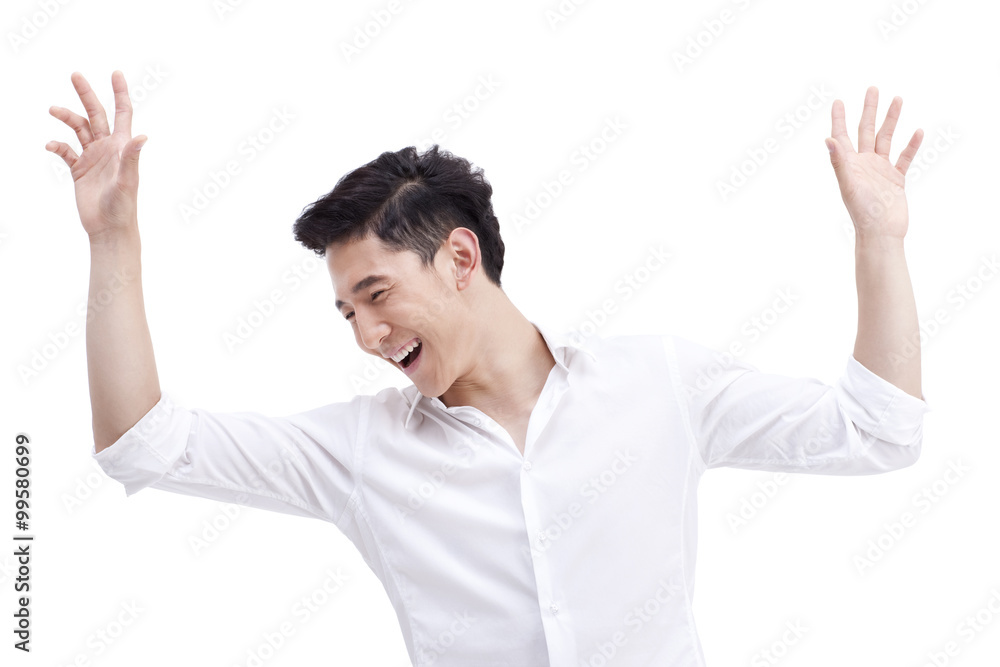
(148, 450)
(879, 407)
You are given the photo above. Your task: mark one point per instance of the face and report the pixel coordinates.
(390, 300)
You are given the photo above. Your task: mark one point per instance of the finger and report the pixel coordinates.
(128, 172)
(884, 138)
(64, 151)
(839, 128)
(98, 120)
(123, 105)
(79, 124)
(866, 128)
(906, 157)
(835, 157)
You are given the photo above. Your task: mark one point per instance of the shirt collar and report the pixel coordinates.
(560, 345)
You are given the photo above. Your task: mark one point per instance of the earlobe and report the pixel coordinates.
(465, 250)
(464, 265)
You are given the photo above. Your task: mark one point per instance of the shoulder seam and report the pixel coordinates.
(360, 438)
(670, 352)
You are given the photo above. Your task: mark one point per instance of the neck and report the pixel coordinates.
(508, 365)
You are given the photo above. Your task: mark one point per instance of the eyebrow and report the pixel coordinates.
(362, 284)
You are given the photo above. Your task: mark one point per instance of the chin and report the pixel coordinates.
(428, 389)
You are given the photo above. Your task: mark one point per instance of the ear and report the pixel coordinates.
(463, 255)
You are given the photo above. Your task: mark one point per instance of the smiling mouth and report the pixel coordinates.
(412, 356)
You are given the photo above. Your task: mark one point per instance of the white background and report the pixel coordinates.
(203, 81)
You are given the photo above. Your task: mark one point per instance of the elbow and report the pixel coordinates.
(887, 456)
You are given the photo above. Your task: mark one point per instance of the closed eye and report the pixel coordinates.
(374, 296)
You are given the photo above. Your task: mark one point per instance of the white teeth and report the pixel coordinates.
(405, 351)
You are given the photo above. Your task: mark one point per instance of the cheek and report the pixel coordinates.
(437, 306)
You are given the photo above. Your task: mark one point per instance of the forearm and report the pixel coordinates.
(888, 340)
(120, 365)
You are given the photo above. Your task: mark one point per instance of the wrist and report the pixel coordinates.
(877, 243)
(115, 237)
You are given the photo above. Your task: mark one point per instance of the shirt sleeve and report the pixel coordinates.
(743, 418)
(299, 464)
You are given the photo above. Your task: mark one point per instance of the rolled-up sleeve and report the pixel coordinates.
(743, 418)
(298, 464)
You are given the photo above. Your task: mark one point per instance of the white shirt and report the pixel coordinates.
(580, 549)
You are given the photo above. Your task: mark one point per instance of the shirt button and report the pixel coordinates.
(554, 608)
(526, 465)
(541, 536)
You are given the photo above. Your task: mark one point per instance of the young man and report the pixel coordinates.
(525, 501)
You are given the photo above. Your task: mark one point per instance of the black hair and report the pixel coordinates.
(411, 201)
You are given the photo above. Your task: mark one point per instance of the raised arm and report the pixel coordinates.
(124, 385)
(888, 340)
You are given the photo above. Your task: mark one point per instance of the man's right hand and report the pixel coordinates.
(106, 174)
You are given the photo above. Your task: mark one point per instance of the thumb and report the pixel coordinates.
(128, 172)
(834, 149)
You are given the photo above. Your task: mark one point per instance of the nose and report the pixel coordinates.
(370, 332)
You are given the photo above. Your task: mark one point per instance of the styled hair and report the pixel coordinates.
(411, 201)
